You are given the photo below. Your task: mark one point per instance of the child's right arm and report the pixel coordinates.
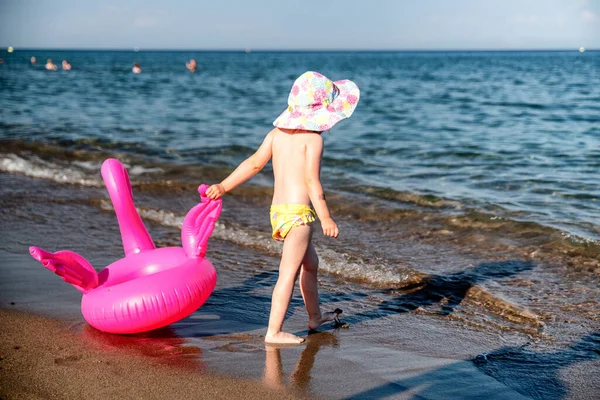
(314, 154)
(246, 170)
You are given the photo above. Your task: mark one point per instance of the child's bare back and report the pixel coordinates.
(293, 151)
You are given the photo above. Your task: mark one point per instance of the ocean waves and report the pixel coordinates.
(435, 218)
(505, 135)
(512, 130)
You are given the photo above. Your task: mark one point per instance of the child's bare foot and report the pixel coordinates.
(283, 338)
(325, 317)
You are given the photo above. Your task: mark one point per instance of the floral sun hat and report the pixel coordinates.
(316, 103)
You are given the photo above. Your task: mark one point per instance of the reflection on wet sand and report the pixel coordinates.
(162, 345)
(300, 377)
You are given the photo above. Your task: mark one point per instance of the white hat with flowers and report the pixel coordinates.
(316, 103)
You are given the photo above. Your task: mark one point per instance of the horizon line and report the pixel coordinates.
(299, 50)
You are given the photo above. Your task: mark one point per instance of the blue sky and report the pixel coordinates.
(308, 24)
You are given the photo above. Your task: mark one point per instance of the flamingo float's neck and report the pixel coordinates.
(134, 234)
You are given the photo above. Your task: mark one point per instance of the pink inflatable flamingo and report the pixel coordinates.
(149, 288)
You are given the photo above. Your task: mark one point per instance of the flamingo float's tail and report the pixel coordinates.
(134, 234)
(199, 223)
(70, 266)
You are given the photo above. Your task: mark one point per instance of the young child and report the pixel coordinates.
(296, 148)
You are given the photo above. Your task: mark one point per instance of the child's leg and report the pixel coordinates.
(310, 290)
(308, 283)
(294, 249)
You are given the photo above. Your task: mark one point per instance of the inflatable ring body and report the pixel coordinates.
(149, 288)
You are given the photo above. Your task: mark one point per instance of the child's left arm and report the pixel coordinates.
(246, 170)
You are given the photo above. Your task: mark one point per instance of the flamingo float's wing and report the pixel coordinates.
(199, 223)
(70, 266)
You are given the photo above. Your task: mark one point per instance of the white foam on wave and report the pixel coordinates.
(136, 170)
(88, 165)
(38, 168)
(85, 173)
(139, 170)
(229, 232)
(379, 273)
(331, 262)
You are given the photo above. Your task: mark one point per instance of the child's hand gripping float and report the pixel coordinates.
(149, 288)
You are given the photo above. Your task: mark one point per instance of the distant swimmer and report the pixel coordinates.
(191, 65)
(1, 60)
(66, 66)
(136, 68)
(50, 66)
(33, 60)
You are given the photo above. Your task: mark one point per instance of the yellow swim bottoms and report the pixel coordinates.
(286, 216)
